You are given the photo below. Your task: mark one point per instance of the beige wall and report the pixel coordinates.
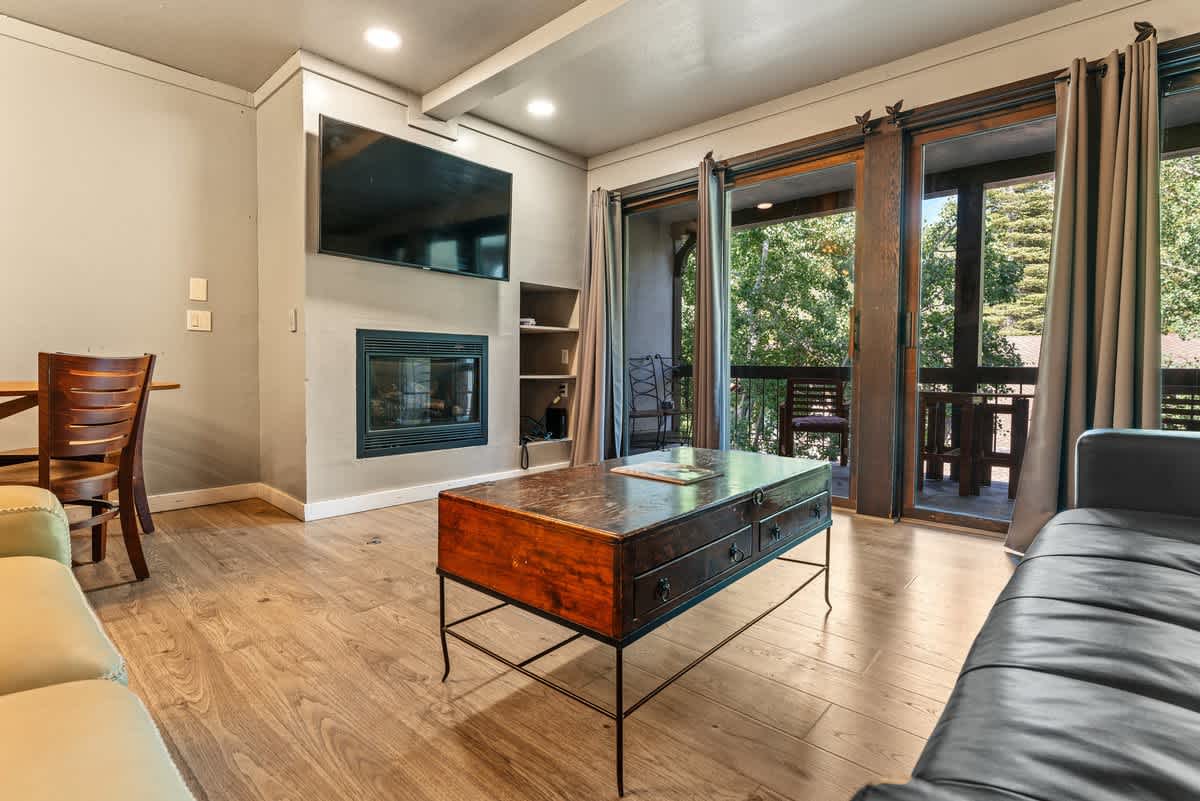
(1023, 49)
(114, 189)
(280, 128)
(342, 295)
(649, 266)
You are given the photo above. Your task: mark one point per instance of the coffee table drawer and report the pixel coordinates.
(685, 537)
(677, 578)
(794, 522)
(783, 496)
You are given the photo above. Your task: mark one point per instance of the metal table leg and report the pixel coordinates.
(620, 721)
(828, 537)
(442, 625)
(620, 710)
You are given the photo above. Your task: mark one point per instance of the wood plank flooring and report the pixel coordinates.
(289, 660)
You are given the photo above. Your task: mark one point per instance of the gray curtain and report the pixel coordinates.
(598, 406)
(711, 350)
(1100, 357)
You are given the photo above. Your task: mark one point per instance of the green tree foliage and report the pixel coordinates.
(1016, 265)
(791, 289)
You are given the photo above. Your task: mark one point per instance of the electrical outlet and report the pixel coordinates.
(562, 391)
(566, 356)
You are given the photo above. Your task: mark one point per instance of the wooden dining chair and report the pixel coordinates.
(90, 411)
(814, 406)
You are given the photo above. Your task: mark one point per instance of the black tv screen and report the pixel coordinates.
(388, 200)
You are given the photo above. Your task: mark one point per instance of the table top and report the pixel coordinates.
(18, 388)
(949, 395)
(593, 497)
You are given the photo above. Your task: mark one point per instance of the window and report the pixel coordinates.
(1179, 210)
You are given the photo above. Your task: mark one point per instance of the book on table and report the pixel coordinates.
(672, 472)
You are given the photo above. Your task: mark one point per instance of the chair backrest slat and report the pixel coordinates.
(810, 397)
(89, 406)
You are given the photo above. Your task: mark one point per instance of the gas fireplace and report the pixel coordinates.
(420, 392)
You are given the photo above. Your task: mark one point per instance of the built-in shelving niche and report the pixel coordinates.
(549, 359)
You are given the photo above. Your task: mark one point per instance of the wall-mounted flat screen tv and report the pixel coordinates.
(388, 200)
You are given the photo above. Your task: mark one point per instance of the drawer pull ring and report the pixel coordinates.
(817, 512)
(760, 497)
(736, 554)
(776, 533)
(663, 591)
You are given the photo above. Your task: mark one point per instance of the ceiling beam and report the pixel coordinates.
(563, 38)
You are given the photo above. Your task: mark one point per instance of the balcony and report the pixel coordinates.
(757, 392)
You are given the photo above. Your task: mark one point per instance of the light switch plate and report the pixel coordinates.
(198, 320)
(198, 289)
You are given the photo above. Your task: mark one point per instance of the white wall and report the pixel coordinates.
(281, 206)
(1026, 48)
(114, 189)
(650, 277)
(343, 295)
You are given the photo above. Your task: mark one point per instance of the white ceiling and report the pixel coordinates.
(242, 42)
(686, 61)
(619, 71)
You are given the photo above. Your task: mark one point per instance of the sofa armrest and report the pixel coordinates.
(33, 523)
(1148, 471)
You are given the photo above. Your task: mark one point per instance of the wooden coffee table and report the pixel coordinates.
(613, 556)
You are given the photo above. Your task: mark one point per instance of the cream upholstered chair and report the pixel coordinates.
(48, 632)
(69, 728)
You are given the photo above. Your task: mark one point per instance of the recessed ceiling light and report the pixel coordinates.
(540, 108)
(382, 38)
(765, 206)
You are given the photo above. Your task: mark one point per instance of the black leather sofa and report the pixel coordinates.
(1084, 683)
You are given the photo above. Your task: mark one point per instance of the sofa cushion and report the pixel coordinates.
(88, 739)
(48, 632)
(1084, 682)
(819, 423)
(33, 523)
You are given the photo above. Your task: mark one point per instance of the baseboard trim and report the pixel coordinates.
(282, 501)
(320, 510)
(170, 501)
(336, 507)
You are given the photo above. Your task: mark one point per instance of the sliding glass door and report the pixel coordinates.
(980, 204)
(792, 264)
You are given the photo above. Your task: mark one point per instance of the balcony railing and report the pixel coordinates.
(756, 392)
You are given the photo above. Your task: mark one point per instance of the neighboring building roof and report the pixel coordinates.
(1176, 351)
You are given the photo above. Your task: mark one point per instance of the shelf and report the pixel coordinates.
(548, 329)
(534, 443)
(547, 377)
(546, 289)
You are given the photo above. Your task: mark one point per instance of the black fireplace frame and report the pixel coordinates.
(441, 436)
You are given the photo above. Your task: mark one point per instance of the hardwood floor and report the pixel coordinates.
(286, 660)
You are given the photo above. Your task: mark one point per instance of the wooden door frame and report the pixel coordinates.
(914, 195)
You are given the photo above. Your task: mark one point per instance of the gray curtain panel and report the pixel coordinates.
(711, 368)
(1100, 356)
(597, 408)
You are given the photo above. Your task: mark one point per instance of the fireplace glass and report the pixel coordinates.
(409, 391)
